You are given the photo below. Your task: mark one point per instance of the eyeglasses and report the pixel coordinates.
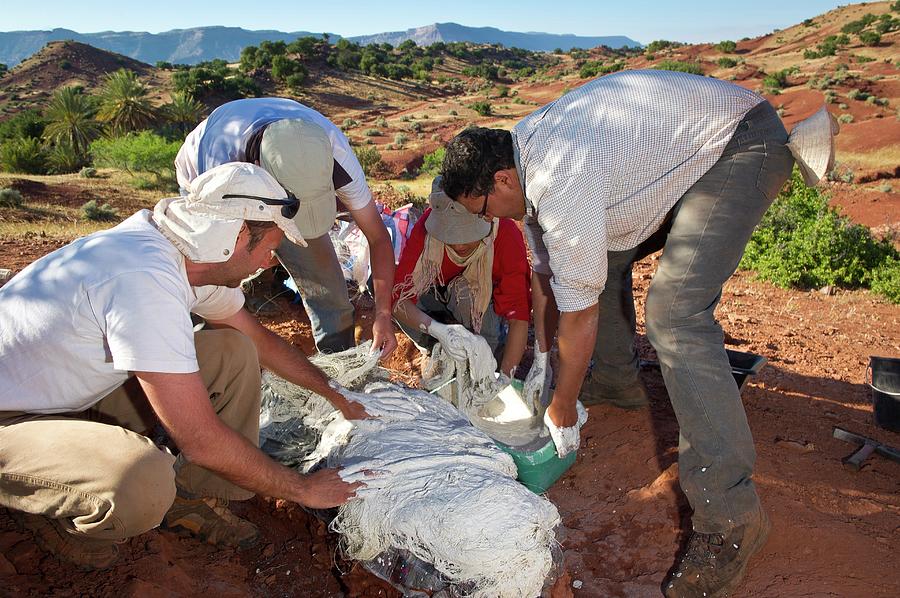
(483, 211)
(289, 206)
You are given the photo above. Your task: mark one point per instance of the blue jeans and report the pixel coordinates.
(318, 276)
(703, 241)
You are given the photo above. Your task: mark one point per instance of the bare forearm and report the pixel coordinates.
(516, 340)
(233, 457)
(382, 256)
(183, 407)
(546, 316)
(408, 314)
(577, 333)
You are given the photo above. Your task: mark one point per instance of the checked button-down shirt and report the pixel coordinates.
(602, 166)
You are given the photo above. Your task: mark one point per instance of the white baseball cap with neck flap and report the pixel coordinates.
(204, 225)
(299, 155)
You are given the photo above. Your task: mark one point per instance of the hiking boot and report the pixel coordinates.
(714, 564)
(210, 520)
(83, 551)
(629, 397)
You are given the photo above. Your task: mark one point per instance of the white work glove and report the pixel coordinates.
(566, 439)
(463, 346)
(455, 339)
(537, 381)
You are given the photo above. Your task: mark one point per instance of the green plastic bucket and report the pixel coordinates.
(538, 469)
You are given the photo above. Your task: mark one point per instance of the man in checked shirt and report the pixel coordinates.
(626, 165)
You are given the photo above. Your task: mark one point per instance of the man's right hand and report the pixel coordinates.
(329, 488)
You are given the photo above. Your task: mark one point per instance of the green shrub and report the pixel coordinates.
(680, 66)
(381, 122)
(845, 119)
(777, 80)
(24, 124)
(369, 158)
(432, 162)
(592, 68)
(88, 172)
(62, 158)
(135, 153)
(26, 155)
(349, 123)
(804, 242)
(870, 38)
(400, 140)
(482, 108)
(727, 63)
(726, 46)
(98, 213)
(415, 127)
(11, 198)
(886, 279)
(453, 113)
(372, 133)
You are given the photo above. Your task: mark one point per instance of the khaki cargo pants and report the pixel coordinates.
(96, 471)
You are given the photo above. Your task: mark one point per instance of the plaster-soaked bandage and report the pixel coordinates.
(449, 499)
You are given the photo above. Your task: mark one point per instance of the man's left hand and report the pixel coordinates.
(383, 337)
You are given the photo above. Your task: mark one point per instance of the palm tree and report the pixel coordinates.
(184, 111)
(71, 119)
(124, 105)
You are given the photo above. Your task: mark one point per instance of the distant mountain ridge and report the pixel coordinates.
(535, 41)
(178, 46)
(198, 44)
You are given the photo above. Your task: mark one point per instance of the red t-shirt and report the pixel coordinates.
(511, 273)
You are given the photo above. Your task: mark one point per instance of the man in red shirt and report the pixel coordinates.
(458, 269)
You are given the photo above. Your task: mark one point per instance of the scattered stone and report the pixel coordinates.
(5, 275)
(6, 568)
(577, 584)
(827, 290)
(25, 557)
(797, 445)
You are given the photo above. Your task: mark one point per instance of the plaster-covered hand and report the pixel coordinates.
(566, 439)
(537, 381)
(457, 342)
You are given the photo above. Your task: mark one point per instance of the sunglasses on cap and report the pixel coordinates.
(289, 206)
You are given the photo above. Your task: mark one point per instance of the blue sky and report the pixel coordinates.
(642, 20)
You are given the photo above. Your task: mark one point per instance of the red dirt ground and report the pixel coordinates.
(835, 530)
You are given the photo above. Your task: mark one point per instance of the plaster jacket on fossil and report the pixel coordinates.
(450, 497)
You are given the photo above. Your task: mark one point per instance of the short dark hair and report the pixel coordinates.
(258, 230)
(471, 159)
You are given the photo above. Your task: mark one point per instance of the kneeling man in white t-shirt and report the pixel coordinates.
(97, 346)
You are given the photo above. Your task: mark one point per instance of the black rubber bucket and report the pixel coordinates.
(883, 376)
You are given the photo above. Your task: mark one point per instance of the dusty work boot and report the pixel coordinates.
(210, 520)
(594, 392)
(83, 551)
(714, 564)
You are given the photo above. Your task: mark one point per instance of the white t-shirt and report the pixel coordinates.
(74, 323)
(223, 138)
